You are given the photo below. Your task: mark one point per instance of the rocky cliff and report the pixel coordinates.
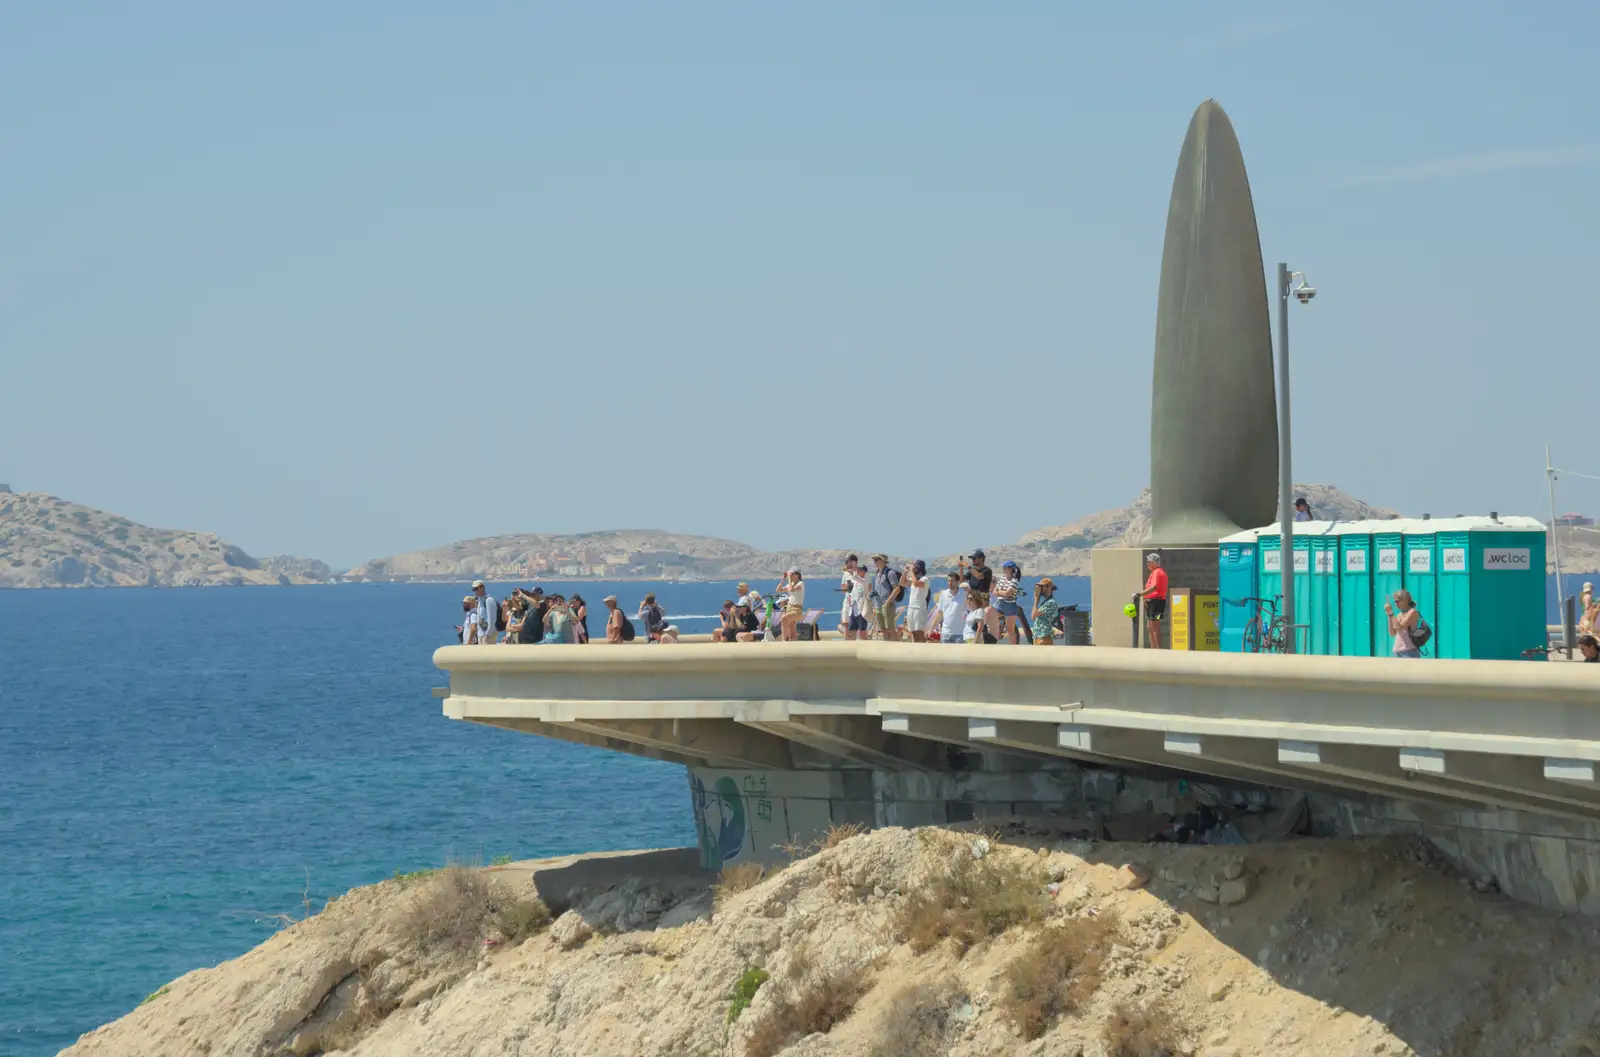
(905, 943)
(50, 542)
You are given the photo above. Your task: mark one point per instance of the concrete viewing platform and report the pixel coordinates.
(1493, 761)
(1498, 733)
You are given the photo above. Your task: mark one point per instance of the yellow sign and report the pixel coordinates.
(1178, 618)
(1195, 618)
(1208, 621)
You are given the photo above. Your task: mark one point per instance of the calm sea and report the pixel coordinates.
(174, 764)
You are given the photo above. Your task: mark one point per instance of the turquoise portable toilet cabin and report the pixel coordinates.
(1304, 612)
(1421, 573)
(1321, 604)
(1387, 578)
(1490, 587)
(1269, 573)
(1236, 585)
(1355, 589)
(1316, 587)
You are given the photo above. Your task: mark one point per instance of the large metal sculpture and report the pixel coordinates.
(1213, 429)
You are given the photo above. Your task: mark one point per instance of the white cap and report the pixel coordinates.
(477, 584)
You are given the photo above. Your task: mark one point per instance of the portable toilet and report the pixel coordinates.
(1355, 589)
(1490, 587)
(1421, 545)
(1322, 601)
(1304, 613)
(1269, 574)
(1236, 584)
(1387, 578)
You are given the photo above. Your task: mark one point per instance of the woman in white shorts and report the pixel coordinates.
(917, 591)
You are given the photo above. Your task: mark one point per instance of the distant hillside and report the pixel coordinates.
(618, 554)
(1063, 550)
(50, 542)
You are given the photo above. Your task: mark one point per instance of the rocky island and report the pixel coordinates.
(51, 542)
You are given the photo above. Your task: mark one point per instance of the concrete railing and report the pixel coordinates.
(1517, 734)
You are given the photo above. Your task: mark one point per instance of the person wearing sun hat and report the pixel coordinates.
(1045, 611)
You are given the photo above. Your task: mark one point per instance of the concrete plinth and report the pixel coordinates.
(1115, 573)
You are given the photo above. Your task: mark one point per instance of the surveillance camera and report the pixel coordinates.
(1305, 293)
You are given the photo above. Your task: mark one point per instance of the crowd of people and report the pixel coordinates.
(977, 604)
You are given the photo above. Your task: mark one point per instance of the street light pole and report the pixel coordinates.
(1285, 470)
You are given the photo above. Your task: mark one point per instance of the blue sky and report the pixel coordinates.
(344, 280)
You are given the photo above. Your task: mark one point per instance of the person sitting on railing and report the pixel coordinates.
(726, 632)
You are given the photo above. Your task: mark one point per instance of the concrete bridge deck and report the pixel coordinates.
(1474, 734)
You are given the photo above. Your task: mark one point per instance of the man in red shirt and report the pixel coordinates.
(1155, 598)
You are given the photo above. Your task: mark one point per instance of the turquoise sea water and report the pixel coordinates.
(174, 763)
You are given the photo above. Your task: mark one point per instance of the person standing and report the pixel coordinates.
(484, 613)
(580, 618)
(1302, 510)
(976, 629)
(950, 609)
(653, 617)
(467, 630)
(793, 588)
(917, 593)
(857, 603)
(847, 579)
(886, 591)
(1045, 611)
(1589, 646)
(613, 620)
(1155, 598)
(533, 621)
(1006, 590)
(1403, 620)
(979, 576)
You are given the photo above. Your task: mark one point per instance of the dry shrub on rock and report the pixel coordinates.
(455, 911)
(973, 899)
(917, 1020)
(814, 1003)
(738, 878)
(1142, 1031)
(1056, 972)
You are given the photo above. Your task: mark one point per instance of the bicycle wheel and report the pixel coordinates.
(1252, 636)
(1278, 635)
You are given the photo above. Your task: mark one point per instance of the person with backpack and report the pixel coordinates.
(886, 591)
(486, 615)
(654, 617)
(1410, 631)
(616, 623)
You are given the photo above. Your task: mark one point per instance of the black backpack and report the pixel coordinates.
(1421, 634)
(499, 618)
(627, 630)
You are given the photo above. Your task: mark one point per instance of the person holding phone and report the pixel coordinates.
(915, 581)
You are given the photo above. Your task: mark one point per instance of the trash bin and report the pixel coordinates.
(1074, 626)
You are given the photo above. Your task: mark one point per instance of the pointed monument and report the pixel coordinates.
(1213, 424)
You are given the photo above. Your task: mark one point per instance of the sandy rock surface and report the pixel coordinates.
(1329, 949)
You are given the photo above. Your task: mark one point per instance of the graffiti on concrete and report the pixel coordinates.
(719, 820)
